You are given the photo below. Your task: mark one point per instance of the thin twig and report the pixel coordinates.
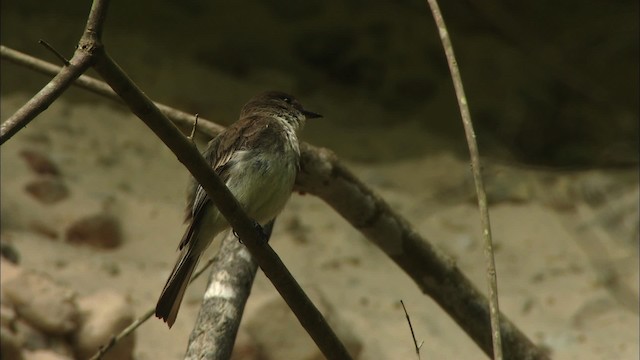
(45, 97)
(78, 64)
(194, 128)
(54, 51)
(491, 276)
(413, 335)
(142, 319)
(98, 87)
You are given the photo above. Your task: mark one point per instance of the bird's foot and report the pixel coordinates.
(264, 237)
(262, 234)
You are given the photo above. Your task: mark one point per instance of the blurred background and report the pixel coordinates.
(548, 84)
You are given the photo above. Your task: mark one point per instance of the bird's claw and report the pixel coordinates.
(264, 237)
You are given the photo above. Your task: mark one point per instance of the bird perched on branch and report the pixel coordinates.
(257, 158)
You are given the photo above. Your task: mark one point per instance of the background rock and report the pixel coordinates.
(46, 305)
(104, 315)
(44, 355)
(48, 190)
(100, 231)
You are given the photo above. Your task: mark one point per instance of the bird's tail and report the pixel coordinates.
(173, 292)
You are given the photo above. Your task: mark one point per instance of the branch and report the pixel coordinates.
(79, 63)
(101, 88)
(492, 282)
(229, 286)
(413, 334)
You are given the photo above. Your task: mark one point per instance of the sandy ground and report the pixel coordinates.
(571, 287)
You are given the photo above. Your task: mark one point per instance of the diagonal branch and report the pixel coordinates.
(101, 88)
(78, 64)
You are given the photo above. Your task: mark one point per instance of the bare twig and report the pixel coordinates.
(229, 286)
(45, 97)
(101, 88)
(142, 319)
(413, 335)
(54, 51)
(78, 64)
(195, 127)
(492, 282)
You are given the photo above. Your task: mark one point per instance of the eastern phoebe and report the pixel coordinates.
(257, 158)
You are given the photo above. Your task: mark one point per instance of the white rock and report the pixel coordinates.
(8, 271)
(104, 315)
(30, 337)
(44, 355)
(46, 305)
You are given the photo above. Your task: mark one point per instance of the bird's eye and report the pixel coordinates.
(287, 100)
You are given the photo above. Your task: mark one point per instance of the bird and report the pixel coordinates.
(257, 158)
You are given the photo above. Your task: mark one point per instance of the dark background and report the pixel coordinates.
(549, 83)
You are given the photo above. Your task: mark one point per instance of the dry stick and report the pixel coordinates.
(101, 88)
(54, 51)
(308, 315)
(323, 175)
(413, 335)
(229, 286)
(78, 64)
(492, 283)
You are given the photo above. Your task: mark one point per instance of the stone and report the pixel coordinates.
(101, 231)
(9, 252)
(103, 315)
(45, 355)
(48, 190)
(8, 271)
(30, 337)
(46, 305)
(40, 163)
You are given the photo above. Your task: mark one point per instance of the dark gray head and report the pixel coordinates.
(280, 105)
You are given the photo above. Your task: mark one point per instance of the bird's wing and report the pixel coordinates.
(219, 154)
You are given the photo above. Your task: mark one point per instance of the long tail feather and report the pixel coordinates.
(173, 292)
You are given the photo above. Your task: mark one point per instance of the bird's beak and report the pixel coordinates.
(310, 114)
